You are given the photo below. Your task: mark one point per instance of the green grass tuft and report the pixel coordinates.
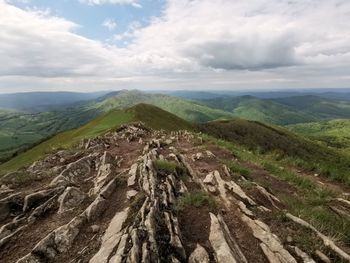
(164, 166)
(197, 199)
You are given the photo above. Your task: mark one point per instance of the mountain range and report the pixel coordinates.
(22, 129)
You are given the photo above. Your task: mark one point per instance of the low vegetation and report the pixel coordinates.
(334, 133)
(164, 166)
(197, 199)
(282, 145)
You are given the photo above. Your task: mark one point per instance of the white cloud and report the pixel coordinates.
(134, 3)
(194, 43)
(110, 24)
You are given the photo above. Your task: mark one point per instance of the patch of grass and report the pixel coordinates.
(197, 199)
(314, 209)
(235, 167)
(164, 166)
(280, 172)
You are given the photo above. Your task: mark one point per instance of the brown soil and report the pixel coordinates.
(194, 223)
(248, 244)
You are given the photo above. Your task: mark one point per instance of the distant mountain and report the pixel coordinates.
(252, 108)
(282, 111)
(339, 94)
(43, 101)
(192, 95)
(319, 107)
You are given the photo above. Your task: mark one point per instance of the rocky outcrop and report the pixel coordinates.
(107, 204)
(72, 197)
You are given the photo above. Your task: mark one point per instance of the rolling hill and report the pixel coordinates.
(335, 133)
(150, 115)
(20, 130)
(186, 109)
(320, 108)
(282, 111)
(252, 108)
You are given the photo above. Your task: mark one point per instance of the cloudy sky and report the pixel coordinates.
(89, 45)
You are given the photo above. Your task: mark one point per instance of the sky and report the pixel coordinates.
(90, 45)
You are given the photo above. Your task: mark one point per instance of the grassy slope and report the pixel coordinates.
(284, 145)
(152, 116)
(335, 133)
(256, 109)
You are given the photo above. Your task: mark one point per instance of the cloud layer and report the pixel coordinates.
(134, 3)
(194, 43)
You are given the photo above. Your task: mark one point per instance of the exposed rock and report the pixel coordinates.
(95, 228)
(271, 245)
(131, 194)
(209, 154)
(43, 208)
(133, 174)
(111, 238)
(223, 253)
(210, 179)
(326, 240)
(272, 199)
(322, 257)
(305, 257)
(105, 171)
(71, 198)
(34, 198)
(199, 255)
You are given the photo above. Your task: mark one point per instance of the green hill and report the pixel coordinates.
(283, 144)
(263, 110)
(335, 133)
(320, 108)
(21, 130)
(185, 109)
(282, 111)
(152, 116)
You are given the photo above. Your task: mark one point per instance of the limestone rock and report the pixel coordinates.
(223, 253)
(199, 255)
(210, 179)
(111, 238)
(131, 194)
(71, 198)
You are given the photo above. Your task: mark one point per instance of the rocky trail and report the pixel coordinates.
(137, 195)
